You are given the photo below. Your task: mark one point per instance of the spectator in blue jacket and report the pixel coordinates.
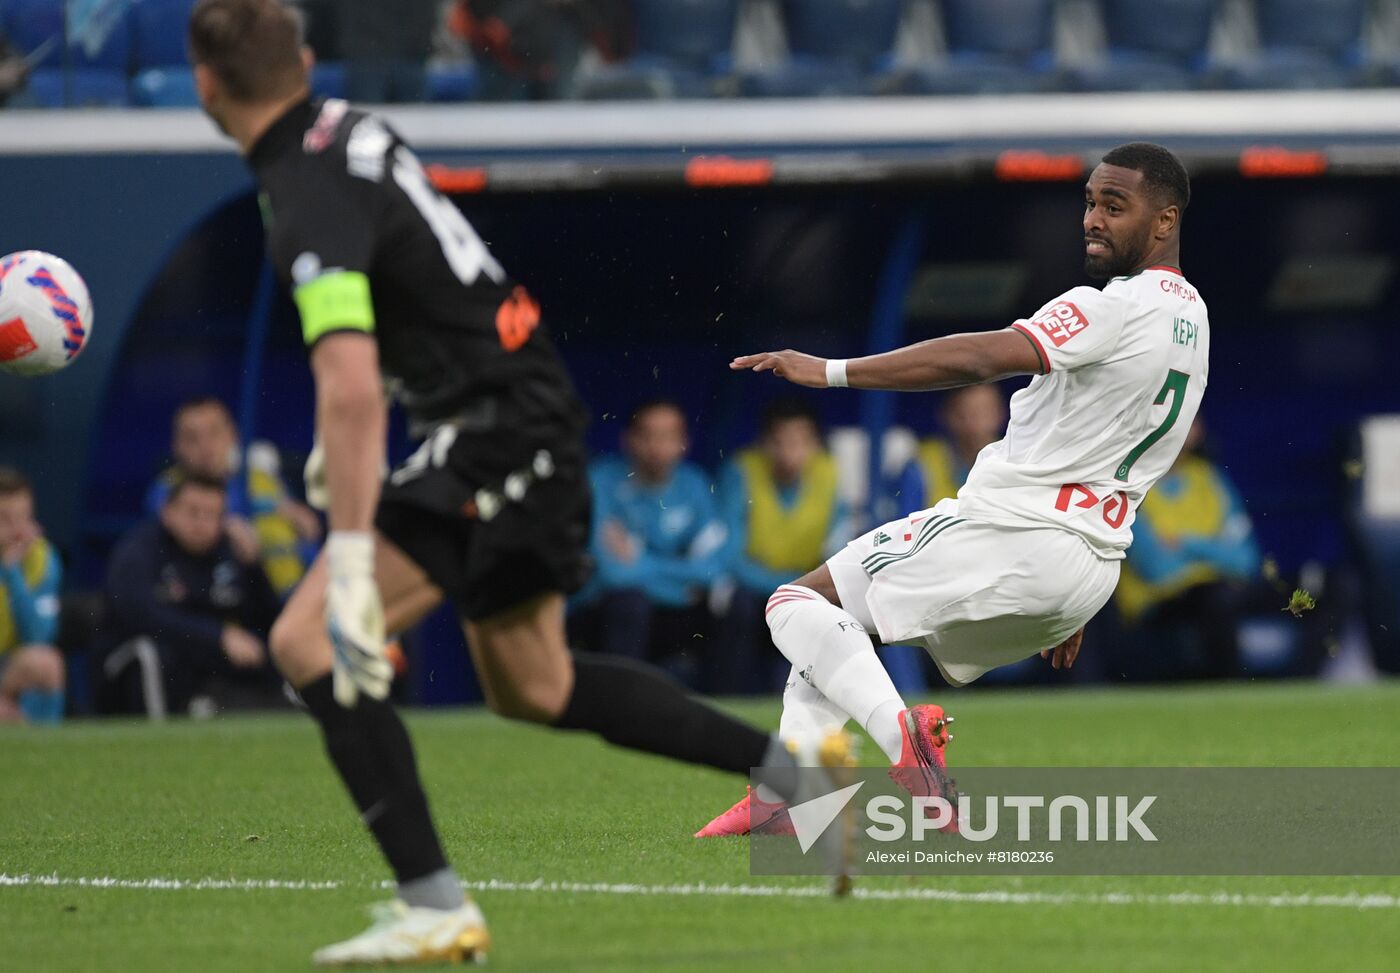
(31, 669)
(656, 539)
(783, 516)
(185, 606)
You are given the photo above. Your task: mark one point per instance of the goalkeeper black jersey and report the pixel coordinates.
(365, 242)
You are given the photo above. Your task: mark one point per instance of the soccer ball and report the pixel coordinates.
(45, 313)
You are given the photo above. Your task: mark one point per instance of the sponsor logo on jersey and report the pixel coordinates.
(882, 538)
(320, 135)
(1060, 322)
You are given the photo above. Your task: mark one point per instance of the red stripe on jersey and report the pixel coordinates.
(1039, 348)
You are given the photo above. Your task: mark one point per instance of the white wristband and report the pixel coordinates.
(350, 553)
(836, 373)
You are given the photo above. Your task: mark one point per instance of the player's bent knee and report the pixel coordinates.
(540, 701)
(293, 643)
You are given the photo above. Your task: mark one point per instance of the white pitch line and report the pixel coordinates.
(1348, 900)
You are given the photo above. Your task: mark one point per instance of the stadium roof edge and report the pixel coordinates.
(713, 124)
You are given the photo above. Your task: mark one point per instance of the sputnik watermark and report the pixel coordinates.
(1112, 818)
(1094, 821)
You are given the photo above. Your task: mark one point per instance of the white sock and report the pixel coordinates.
(807, 714)
(831, 651)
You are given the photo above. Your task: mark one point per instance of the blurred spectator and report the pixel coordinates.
(31, 669)
(262, 519)
(14, 70)
(1193, 554)
(973, 417)
(185, 606)
(386, 47)
(656, 538)
(783, 517)
(531, 49)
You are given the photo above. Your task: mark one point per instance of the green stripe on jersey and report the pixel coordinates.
(338, 301)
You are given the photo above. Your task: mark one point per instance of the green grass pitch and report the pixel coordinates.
(247, 799)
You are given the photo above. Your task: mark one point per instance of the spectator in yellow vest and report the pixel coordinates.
(783, 516)
(31, 669)
(1193, 551)
(973, 417)
(262, 517)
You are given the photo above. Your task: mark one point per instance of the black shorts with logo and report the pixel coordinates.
(493, 517)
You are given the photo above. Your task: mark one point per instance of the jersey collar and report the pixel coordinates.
(286, 130)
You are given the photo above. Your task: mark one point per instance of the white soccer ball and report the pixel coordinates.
(45, 313)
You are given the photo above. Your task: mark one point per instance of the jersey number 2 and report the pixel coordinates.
(1175, 386)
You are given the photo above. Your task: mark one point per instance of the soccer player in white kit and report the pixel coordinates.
(1029, 550)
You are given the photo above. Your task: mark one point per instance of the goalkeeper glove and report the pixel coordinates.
(355, 619)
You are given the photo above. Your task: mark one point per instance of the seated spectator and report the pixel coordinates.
(656, 540)
(386, 46)
(31, 669)
(973, 417)
(1193, 554)
(783, 517)
(262, 517)
(14, 70)
(529, 50)
(185, 606)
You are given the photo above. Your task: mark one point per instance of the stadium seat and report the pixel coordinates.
(994, 46)
(1304, 44)
(168, 87)
(74, 88)
(160, 32)
(836, 47)
(681, 46)
(1153, 45)
(452, 82)
(328, 79)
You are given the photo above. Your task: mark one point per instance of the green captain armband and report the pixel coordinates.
(337, 301)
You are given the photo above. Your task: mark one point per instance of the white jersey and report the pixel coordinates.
(1125, 371)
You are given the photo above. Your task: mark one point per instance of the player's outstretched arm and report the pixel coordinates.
(940, 363)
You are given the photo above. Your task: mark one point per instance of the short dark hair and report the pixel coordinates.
(180, 478)
(199, 402)
(12, 481)
(651, 405)
(787, 410)
(252, 46)
(1162, 172)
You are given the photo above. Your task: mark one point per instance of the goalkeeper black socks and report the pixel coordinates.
(374, 757)
(635, 706)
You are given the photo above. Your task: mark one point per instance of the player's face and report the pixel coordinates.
(205, 441)
(790, 446)
(195, 518)
(16, 518)
(1118, 222)
(656, 442)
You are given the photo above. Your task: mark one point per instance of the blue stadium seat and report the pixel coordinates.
(160, 32)
(168, 87)
(836, 47)
(1304, 44)
(452, 82)
(681, 46)
(1154, 45)
(328, 79)
(994, 46)
(74, 88)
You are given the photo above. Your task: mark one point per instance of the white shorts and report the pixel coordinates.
(974, 595)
